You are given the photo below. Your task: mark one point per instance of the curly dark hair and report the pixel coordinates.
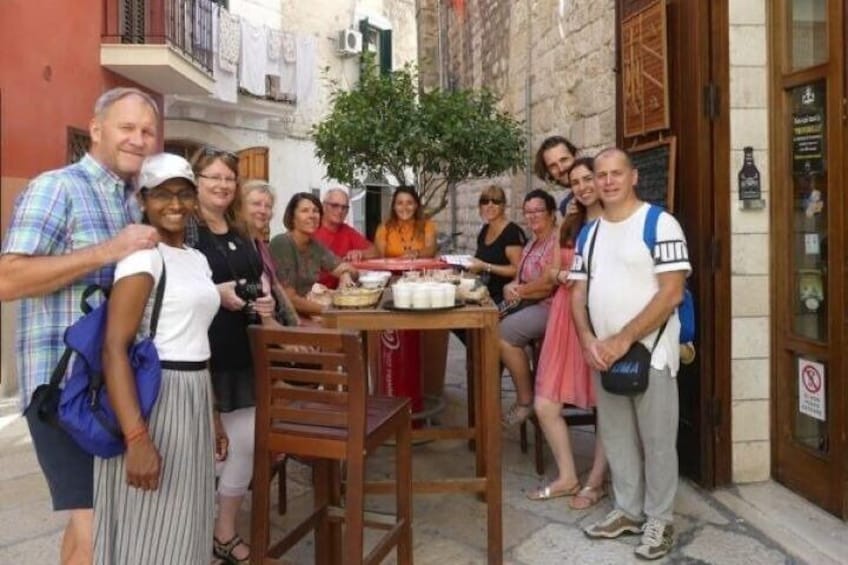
(539, 167)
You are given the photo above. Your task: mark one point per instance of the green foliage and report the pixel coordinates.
(384, 127)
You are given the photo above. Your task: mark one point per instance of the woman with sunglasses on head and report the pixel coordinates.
(154, 503)
(527, 300)
(224, 238)
(406, 233)
(300, 257)
(499, 243)
(563, 376)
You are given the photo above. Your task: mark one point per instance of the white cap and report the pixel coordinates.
(158, 168)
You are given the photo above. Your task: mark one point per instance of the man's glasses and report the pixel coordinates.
(165, 196)
(495, 201)
(219, 179)
(337, 206)
(535, 211)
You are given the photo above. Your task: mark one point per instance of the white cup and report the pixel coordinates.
(402, 295)
(467, 283)
(421, 296)
(448, 294)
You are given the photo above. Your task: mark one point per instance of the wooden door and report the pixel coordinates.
(809, 250)
(697, 79)
(253, 163)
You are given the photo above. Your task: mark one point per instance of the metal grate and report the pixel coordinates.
(78, 143)
(132, 21)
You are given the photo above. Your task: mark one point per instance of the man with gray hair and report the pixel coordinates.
(334, 234)
(69, 227)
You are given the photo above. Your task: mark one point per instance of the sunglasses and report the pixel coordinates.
(215, 152)
(495, 201)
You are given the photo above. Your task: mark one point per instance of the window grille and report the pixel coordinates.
(78, 143)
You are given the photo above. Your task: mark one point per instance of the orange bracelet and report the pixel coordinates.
(135, 435)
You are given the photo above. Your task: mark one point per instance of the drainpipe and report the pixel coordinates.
(528, 113)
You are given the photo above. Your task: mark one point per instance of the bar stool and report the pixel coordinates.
(334, 422)
(573, 416)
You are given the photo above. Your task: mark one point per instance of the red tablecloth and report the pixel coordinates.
(400, 264)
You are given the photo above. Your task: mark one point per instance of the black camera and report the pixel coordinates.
(249, 291)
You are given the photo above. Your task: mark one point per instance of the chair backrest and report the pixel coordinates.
(310, 377)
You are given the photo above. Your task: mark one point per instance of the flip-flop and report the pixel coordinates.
(547, 493)
(592, 495)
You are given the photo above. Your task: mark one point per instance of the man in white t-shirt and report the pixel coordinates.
(633, 291)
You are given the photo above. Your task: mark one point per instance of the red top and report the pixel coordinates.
(340, 242)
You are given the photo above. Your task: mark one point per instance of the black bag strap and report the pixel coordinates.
(160, 294)
(589, 281)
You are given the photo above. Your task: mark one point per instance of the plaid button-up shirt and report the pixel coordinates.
(60, 212)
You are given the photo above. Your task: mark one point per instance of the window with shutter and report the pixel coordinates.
(253, 163)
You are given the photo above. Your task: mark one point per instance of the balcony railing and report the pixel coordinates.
(186, 25)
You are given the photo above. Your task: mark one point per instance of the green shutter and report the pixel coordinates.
(386, 51)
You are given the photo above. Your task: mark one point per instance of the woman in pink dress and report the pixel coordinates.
(563, 376)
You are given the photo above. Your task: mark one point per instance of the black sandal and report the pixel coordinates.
(224, 551)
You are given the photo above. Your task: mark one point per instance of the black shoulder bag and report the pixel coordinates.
(629, 375)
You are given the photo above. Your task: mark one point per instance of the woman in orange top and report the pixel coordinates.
(406, 233)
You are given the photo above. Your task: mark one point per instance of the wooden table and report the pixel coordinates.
(484, 420)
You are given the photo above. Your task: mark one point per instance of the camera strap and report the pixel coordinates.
(236, 240)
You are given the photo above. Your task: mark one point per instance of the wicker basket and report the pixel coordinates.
(357, 297)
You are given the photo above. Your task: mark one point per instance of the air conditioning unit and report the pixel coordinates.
(350, 43)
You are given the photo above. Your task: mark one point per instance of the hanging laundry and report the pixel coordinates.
(306, 68)
(275, 45)
(288, 65)
(254, 57)
(226, 82)
(229, 40)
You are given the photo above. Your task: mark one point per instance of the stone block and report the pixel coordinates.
(750, 338)
(750, 420)
(748, 45)
(749, 221)
(749, 295)
(749, 254)
(750, 379)
(749, 127)
(748, 87)
(747, 12)
(718, 545)
(751, 461)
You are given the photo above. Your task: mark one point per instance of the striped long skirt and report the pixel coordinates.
(172, 524)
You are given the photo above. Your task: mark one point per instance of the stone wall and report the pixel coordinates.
(556, 75)
(750, 296)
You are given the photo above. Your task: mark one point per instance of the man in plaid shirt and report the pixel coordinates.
(68, 229)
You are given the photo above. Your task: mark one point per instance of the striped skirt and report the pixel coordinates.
(172, 524)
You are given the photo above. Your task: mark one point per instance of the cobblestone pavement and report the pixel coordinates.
(751, 524)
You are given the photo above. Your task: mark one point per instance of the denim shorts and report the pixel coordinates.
(68, 469)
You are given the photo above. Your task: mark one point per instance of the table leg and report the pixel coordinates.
(490, 420)
(476, 390)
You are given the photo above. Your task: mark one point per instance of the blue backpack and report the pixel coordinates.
(686, 309)
(83, 409)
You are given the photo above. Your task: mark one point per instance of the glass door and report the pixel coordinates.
(808, 244)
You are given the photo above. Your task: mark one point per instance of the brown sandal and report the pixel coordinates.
(589, 496)
(224, 550)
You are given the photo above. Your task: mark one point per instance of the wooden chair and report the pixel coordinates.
(334, 422)
(573, 416)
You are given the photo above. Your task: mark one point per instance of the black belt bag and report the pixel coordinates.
(628, 376)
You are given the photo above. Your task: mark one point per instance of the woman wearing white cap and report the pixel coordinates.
(155, 503)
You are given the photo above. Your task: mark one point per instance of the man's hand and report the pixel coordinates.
(143, 464)
(613, 348)
(132, 238)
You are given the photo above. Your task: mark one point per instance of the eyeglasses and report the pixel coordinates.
(337, 206)
(165, 196)
(219, 179)
(495, 201)
(535, 211)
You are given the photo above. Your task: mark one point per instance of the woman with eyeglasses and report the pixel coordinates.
(499, 244)
(527, 300)
(300, 257)
(563, 376)
(154, 503)
(407, 233)
(224, 238)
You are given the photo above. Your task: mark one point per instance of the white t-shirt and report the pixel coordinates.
(624, 277)
(188, 305)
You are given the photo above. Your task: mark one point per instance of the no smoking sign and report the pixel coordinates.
(811, 399)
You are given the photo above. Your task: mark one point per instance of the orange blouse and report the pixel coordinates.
(400, 238)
